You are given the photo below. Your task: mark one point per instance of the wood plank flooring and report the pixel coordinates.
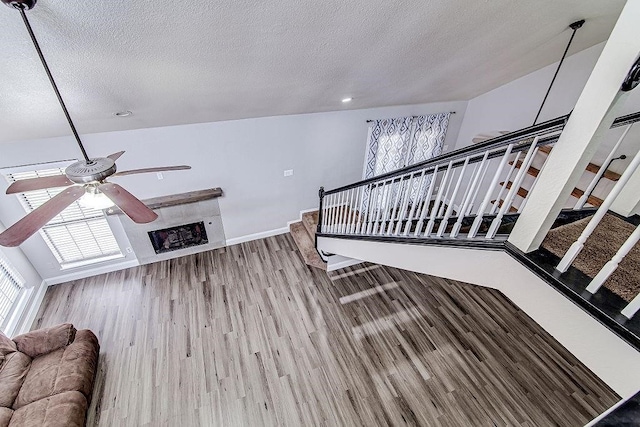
(249, 335)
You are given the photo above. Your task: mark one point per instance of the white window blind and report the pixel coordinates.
(11, 283)
(78, 235)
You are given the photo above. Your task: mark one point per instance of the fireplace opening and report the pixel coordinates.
(179, 237)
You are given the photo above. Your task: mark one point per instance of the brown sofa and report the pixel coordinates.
(46, 377)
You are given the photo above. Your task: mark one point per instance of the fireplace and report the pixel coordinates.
(179, 237)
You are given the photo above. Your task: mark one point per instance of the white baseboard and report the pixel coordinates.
(256, 236)
(268, 233)
(302, 212)
(343, 264)
(93, 272)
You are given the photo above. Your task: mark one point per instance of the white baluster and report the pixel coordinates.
(372, 207)
(415, 202)
(343, 210)
(507, 180)
(355, 211)
(471, 194)
(347, 226)
(632, 308)
(364, 211)
(387, 208)
(592, 185)
(445, 221)
(325, 211)
(577, 246)
(475, 193)
(381, 207)
(469, 191)
(533, 185)
(427, 202)
(487, 197)
(331, 209)
(526, 163)
(394, 207)
(612, 265)
(405, 204)
(436, 204)
(446, 193)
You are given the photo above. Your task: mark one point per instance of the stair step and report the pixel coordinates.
(511, 209)
(577, 193)
(591, 167)
(306, 246)
(522, 192)
(532, 171)
(310, 222)
(592, 200)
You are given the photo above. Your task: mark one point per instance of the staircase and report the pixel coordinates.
(471, 198)
(303, 233)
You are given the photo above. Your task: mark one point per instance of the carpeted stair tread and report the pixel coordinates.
(600, 247)
(306, 245)
(310, 222)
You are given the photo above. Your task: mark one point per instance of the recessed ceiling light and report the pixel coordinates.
(126, 113)
(345, 100)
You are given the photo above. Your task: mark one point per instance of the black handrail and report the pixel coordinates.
(503, 140)
(626, 120)
(519, 135)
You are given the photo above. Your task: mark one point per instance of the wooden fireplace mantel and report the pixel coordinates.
(175, 199)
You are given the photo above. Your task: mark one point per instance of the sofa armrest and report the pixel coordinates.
(43, 341)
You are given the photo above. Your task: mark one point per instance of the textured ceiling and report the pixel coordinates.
(183, 62)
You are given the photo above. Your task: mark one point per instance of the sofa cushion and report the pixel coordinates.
(12, 375)
(6, 346)
(61, 410)
(40, 379)
(43, 341)
(77, 369)
(66, 369)
(5, 416)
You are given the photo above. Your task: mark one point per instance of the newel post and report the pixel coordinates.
(321, 196)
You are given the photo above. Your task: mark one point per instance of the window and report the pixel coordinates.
(396, 143)
(11, 283)
(78, 235)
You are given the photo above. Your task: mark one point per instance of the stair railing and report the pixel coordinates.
(608, 269)
(438, 198)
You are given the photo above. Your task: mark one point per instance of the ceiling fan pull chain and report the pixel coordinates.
(21, 8)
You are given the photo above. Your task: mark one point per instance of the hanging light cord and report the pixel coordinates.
(575, 27)
(21, 8)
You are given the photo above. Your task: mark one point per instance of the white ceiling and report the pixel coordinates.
(182, 62)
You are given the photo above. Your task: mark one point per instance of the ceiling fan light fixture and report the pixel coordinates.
(95, 199)
(20, 4)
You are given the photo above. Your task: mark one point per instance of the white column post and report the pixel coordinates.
(593, 115)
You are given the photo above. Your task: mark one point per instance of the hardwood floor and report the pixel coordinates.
(249, 335)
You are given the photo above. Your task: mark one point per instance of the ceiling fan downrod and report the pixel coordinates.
(22, 6)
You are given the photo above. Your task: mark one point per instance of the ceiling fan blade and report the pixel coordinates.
(41, 183)
(115, 156)
(149, 170)
(128, 203)
(27, 226)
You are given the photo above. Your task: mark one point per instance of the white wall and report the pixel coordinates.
(246, 158)
(514, 105)
(20, 262)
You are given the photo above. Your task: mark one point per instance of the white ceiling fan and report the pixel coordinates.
(85, 177)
